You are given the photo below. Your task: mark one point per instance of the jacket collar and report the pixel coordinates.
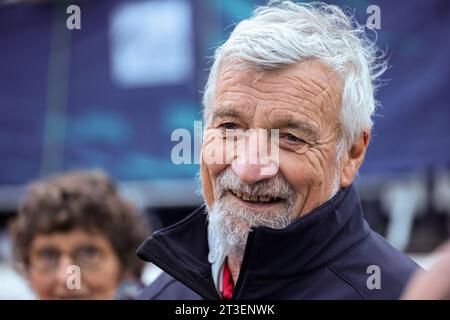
(308, 243)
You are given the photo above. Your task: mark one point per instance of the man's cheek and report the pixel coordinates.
(298, 173)
(304, 170)
(217, 150)
(209, 173)
(207, 187)
(215, 158)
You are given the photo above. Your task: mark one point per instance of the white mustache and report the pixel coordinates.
(276, 187)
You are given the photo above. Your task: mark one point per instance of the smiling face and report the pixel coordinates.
(302, 101)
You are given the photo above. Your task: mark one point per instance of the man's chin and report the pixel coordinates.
(229, 228)
(231, 221)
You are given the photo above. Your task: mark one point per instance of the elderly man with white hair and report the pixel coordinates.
(287, 224)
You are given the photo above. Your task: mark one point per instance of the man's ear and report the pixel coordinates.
(353, 158)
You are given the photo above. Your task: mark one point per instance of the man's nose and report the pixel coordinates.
(253, 163)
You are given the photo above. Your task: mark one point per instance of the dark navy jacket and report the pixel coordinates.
(326, 254)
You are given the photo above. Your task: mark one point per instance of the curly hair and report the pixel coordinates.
(86, 200)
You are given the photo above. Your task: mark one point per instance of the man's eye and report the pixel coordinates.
(229, 126)
(291, 138)
(230, 129)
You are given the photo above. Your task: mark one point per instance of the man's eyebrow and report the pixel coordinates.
(225, 111)
(291, 123)
(302, 126)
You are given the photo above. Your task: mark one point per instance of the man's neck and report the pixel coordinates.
(234, 263)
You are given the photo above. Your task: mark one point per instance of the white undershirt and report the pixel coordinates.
(217, 258)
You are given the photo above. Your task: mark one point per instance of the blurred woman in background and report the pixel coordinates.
(75, 238)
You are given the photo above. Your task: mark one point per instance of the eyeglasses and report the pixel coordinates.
(48, 258)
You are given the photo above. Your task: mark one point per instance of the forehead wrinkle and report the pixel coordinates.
(231, 76)
(275, 98)
(328, 83)
(262, 87)
(311, 90)
(256, 87)
(284, 84)
(290, 89)
(322, 77)
(313, 80)
(324, 104)
(331, 91)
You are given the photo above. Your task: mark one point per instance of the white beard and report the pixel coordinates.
(230, 222)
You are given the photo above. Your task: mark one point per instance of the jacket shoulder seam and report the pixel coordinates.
(348, 250)
(340, 276)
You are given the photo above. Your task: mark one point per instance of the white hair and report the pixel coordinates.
(284, 33)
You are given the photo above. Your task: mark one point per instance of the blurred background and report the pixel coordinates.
(110, 95)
